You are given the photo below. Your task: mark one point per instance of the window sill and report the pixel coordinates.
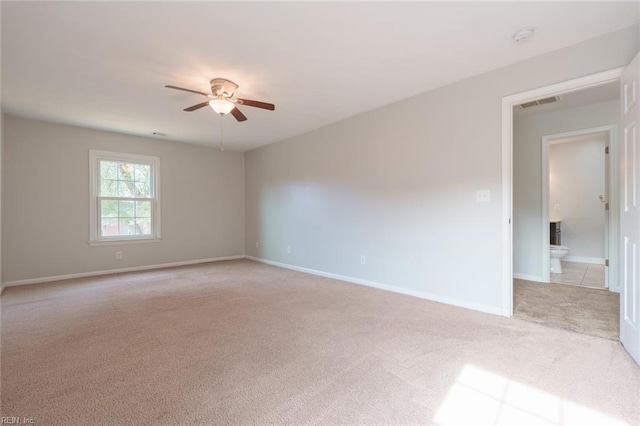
(118, 242)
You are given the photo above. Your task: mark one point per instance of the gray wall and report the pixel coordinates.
(528, 131)
(46, 201)
(398, 184)
(1, 197)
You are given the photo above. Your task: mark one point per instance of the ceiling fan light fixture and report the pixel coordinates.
(222, 106)
(221, 99)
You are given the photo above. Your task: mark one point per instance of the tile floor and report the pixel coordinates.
(582, 274)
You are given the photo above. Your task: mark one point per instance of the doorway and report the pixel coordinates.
(627, 183)
(561, 145)
(580, 206)
(564, 112)
(508, 103)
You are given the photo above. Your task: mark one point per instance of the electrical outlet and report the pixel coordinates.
(483, 196)
(119, 255)
(288, 250)
(556, 207)
(257, 244)
(363, 260)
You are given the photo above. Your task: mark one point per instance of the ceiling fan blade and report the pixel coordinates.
(257, 104)
(238, 115)
(195, 107)
(186, 90)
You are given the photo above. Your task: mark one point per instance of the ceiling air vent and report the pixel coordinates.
(541, 102)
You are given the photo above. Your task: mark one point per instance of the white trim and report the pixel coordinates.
(244, 204)
(546, 234)
(127, 241)
(507, 207)
(433, 297)
(528, 277)
(508, 102)
(118, 271)
(2, 287)
(94, 157)
(612, 191)
(581, 259)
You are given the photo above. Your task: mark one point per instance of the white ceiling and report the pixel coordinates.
(104, 64)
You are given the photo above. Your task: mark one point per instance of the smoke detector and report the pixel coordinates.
(523, 35)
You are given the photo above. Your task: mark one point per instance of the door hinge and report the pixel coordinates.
(606, 206)
(606, 149)
(606, 262)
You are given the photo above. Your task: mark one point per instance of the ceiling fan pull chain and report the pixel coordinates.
(221, 134)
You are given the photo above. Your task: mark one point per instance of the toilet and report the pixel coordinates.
(557, 253)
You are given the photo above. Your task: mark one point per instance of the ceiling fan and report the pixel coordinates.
(222, 100)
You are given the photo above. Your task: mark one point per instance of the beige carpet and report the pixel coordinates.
(244, 343)
(584, 310)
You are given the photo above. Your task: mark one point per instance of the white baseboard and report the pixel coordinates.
(373, 284)
(527, 277)
(117, 271)
(420, 294)
(2, 286)
(580, 259)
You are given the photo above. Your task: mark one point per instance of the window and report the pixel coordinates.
(124, 197)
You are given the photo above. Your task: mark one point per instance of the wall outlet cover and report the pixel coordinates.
(483, 196)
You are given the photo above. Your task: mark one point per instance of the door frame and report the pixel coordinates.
(508, 102)
(611, 230)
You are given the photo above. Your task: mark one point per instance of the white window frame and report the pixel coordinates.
(95, 237)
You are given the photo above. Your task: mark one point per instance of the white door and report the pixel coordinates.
(629, 210)
(607, 191)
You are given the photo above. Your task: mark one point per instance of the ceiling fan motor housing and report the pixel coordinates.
(223, 87)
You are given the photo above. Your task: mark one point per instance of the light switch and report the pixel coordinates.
(483, 196)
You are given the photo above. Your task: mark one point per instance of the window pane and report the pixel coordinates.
(142, 189)
(125, 171)
(125, 218)
(126, 188)
(108, 170)
(143, 226)
(142, 173)
(127, 209)
(127, 226)
(126, 180)
(109, 227)
(143, 209)
(108, 188)
(108, 208)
